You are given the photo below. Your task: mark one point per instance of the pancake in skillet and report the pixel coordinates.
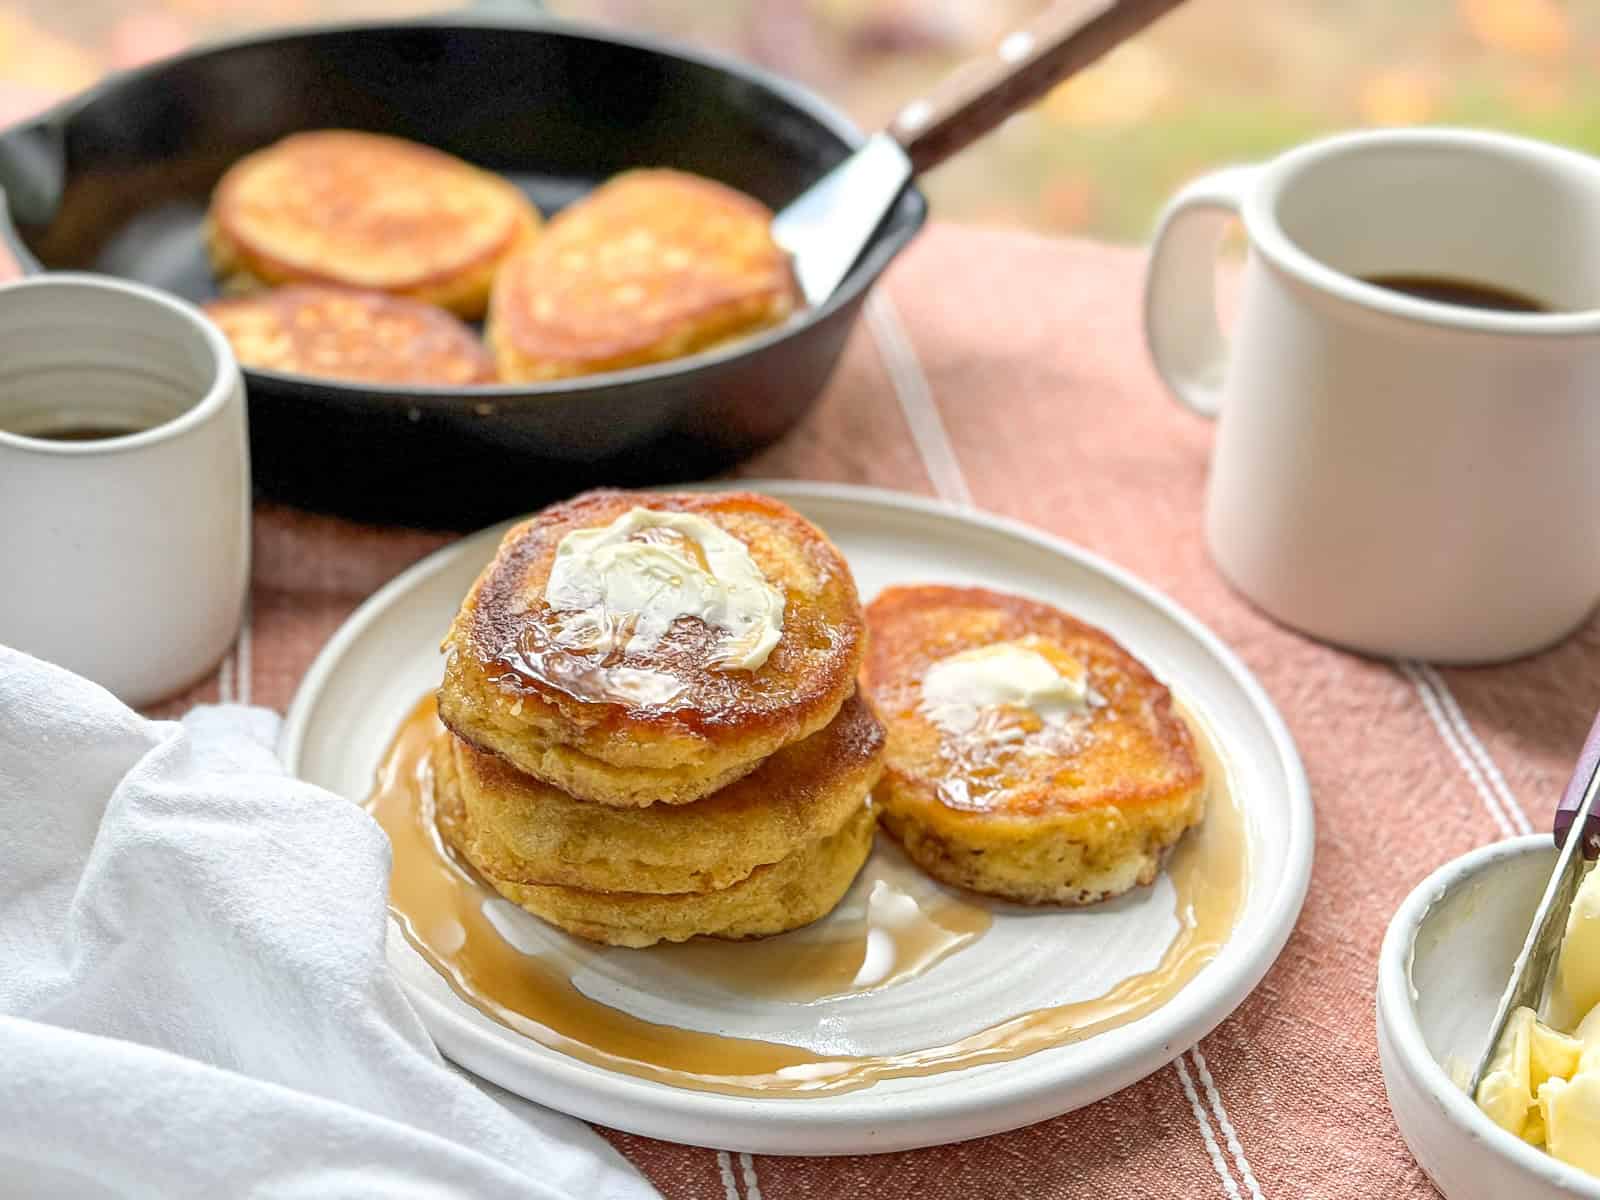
(340, 333)
(776, 897)
(653, 265)
(536, 834)
(366, 211)
(615, 692)
(1030, 756)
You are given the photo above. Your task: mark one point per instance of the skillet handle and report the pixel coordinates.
(983, 92)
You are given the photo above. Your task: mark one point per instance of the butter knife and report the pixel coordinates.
(1530, 975)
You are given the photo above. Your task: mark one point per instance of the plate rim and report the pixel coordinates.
(759, 1125)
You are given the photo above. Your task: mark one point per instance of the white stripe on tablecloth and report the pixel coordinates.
(1476, 748)
(225, 678)
(1217, 1161)
(916, 401)
(752, 1189)
(943, 467)
(730, 1188)
(242, 652)
(1422, 679)
(1229, 1135)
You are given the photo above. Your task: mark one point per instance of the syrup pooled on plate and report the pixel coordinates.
(908, 926)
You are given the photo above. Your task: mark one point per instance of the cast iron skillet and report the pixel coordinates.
(117, 181)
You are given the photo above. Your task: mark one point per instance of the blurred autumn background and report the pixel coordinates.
(1219, 80)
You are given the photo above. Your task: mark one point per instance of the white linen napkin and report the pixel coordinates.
(194, 999)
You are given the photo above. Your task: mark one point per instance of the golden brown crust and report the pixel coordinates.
(1069, 814)
(1071, 858)
(342, 333)
(652, 265)
(803, 792)
(774, 898)
(512, 689)
(362, 210)
(1136, 749)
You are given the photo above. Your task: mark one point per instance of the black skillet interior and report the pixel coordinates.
(117, 181)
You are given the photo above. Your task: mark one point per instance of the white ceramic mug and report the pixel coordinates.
(1395, 475)
(125, 558)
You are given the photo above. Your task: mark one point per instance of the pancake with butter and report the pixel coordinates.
(805, 791)
(633, 648)
(653, 265)
(797, 889)
(1030, 756)
(365, 211)
(340, 333)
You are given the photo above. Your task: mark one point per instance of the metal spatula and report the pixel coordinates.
(1530, 975)
(826, 227)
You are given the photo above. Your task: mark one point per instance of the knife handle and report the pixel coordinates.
(981, 93)
(1572, 799)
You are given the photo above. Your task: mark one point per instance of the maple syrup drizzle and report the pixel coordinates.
(908, 926)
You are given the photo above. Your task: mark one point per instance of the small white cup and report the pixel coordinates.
(125, 559)
(1395, 475)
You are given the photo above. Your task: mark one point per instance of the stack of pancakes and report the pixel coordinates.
(649, 773)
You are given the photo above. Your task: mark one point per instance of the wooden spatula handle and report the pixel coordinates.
(978, 95)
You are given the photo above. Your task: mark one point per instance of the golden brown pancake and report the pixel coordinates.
(366, 211)
(774, 898)
(1068, 808)
(543, 836)
(340, 333)
(654, 264)
(515, 683)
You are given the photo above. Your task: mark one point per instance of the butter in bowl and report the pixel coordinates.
(1543, 1082)
(1445, 960)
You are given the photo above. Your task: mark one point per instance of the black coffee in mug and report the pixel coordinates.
(1408, 388)
(1463, 293)
(87, 433)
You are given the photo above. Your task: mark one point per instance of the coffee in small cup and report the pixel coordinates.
(1462, 293)
(125, 480)
(85, 433)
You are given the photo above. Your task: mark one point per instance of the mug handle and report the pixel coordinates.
(1180, 291)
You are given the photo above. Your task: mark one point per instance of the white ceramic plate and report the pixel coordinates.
(371, 673)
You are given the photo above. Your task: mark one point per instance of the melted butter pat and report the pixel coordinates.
(621, 586)
(644, 688)
(957, 690)
(997, 706)
(906, 927)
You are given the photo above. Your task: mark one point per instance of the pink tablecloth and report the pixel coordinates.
(1008, 372)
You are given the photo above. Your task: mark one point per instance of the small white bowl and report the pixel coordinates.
(1445, 961)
